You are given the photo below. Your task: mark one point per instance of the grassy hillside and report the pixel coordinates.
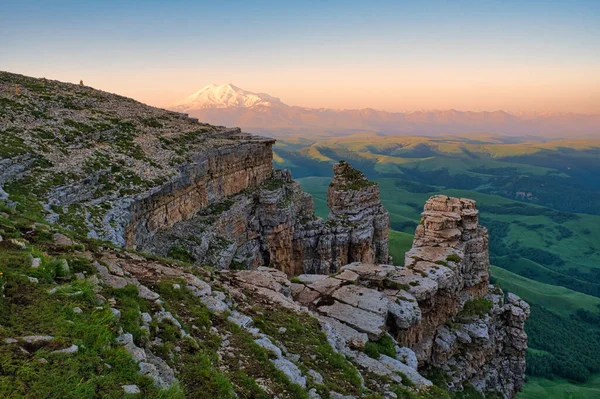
(560, 300)
(399, 244)
(541, 388)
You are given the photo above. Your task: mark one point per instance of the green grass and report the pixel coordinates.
(28, 309)
(304, 337)
(541, 388)
(475, 307)
(399, 244)
(383, 346)
(317, 187)
(560, 300)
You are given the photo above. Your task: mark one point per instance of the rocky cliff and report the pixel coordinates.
(265, 300)
(367, 331)
(440, 306)
(274, 224)
(112, 168)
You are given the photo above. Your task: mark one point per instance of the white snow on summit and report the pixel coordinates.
(225, 96)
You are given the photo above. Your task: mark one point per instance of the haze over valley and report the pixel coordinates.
(230, 105)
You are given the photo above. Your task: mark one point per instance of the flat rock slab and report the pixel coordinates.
(326, 286)
(444, 276)
(265, 277)
(70, 349)
(404, 313)
(131, 389)
(368, 269)
(420, 287)
(347, 275)
(372, 324)
(311, 278)
(343, 334)
(431, 254)
(290, 370)
(306, 296)
(412, 374)
(32, 339)
(364, 298)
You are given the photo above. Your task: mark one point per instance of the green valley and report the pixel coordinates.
(538, 200)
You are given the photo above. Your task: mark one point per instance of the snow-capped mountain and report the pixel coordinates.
(225, 96)
(262, 113)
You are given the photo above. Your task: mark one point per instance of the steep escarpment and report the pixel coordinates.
(440, 306)
(274, 224)
(253, 296)
(112, 168)
(209, 177)
(125, 322)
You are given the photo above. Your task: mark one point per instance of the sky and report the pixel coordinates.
(519, 56)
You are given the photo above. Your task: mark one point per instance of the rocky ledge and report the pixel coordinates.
(317, 311)
(368, 330)
(436, 319)
(439, 310)
(274, 224)
(112, 168)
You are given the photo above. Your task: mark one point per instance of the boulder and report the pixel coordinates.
(372, 324)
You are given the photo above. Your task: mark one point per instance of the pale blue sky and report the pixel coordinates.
(396, 55)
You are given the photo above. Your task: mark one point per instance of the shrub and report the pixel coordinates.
(179, 253)
(476, 307)
(453, 258)
(383, 346)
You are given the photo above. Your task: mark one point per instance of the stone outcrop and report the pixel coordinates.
(451, 250)
(439, 308)
(209, 178)
(113, 168)
(158, 181)
(356, 229)
(274, 224)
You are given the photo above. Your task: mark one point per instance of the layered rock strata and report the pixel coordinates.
(274, 224)
(209, 178)
(108, 167)
(112, 168)
(440, 305)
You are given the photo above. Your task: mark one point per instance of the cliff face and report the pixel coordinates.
(274, 224)
(112, 168)
(485, 343)
(107, 167)
(361, 222)
(209, 178)
(440, 309)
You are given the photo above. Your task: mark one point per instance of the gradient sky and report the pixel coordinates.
(526, 56)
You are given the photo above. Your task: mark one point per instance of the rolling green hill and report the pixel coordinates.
(538, 200)
(541, 388)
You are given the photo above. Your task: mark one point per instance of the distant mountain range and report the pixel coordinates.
(262, 113)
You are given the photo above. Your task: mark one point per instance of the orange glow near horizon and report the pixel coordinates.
(513, 89)
(510, 55)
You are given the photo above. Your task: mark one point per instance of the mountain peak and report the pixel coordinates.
(225, 96)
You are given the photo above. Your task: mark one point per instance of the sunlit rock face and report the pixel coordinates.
(272, 223)
(485, 341)
(438, 309)
(211, 177)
